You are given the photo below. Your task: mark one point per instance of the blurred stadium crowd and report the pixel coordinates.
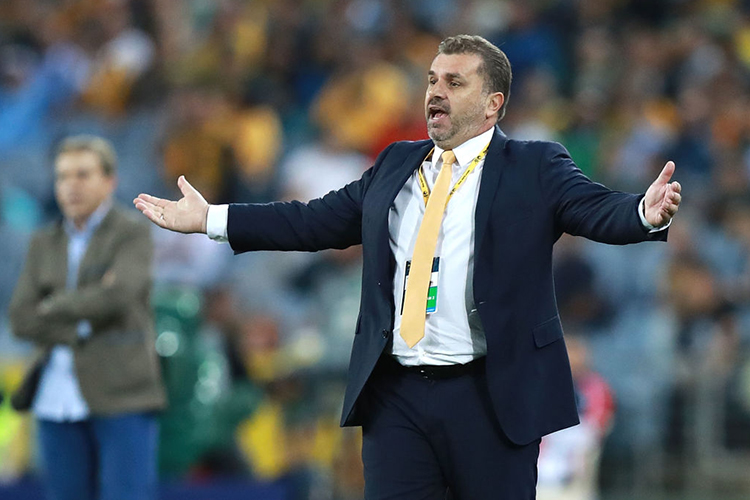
(256, 100)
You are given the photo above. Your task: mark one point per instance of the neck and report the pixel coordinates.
(80, 223)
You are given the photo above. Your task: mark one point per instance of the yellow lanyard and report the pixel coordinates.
(469, 169)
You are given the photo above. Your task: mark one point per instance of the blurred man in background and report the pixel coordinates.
(83, 300)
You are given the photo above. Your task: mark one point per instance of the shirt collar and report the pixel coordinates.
(467, 151)
(93, 222)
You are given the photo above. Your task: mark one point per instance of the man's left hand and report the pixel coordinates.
(662, 198)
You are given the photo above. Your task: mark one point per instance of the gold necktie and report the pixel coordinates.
(418, 282)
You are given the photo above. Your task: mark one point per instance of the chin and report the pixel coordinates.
(438, 137)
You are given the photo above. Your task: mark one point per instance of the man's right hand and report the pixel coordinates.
(188, 215)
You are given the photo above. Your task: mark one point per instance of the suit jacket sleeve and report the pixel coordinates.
(25, 320)
(333, 221)
(586, 208)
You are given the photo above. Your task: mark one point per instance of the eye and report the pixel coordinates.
(455, 84)
(431, 81)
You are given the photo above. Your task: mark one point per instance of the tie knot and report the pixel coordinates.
(448, 158)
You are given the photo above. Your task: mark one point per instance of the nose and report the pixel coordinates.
(437, 89)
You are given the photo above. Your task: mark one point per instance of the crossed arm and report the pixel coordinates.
(51, 316)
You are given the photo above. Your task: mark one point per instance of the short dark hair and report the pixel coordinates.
(97, 145)
(495, 66)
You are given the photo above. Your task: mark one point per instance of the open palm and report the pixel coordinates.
(187, 215)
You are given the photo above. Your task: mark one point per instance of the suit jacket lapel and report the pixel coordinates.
(59, 253)
(402, 174)
(95, 251)
(491, 174)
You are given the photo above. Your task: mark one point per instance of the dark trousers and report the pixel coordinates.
(101, 458)
(437, 438)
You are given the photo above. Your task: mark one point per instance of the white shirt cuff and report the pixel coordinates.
(216, 223)
(641, 213)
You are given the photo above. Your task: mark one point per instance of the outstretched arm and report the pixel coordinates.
(663, 198)
(589, 209)
(187, 215)
(333, 221)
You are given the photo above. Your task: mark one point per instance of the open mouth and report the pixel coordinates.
(435, 113)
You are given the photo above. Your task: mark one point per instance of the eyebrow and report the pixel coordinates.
(452, 76)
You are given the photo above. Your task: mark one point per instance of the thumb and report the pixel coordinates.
(666, 173)
(186, 188)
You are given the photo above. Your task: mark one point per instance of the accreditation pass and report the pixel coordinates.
(432, 291)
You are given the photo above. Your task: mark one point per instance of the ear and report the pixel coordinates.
(494, 103)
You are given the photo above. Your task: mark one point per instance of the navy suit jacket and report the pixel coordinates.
(530, 193)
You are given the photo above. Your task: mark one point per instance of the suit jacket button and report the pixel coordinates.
(386, 334)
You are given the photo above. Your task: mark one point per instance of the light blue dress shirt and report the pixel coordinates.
(58, 397)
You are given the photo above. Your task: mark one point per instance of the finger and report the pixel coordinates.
(153, 200)
(144, 205)
(156, 218)
(140, 204)
(676, 187)
(675, 198)
(670, 209)
(666, 173)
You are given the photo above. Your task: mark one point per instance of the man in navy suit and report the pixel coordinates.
(463, 408)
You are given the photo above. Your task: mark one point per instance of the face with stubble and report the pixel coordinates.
(457, 106)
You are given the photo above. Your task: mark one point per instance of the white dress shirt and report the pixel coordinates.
(453, 333)
(58, 397)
